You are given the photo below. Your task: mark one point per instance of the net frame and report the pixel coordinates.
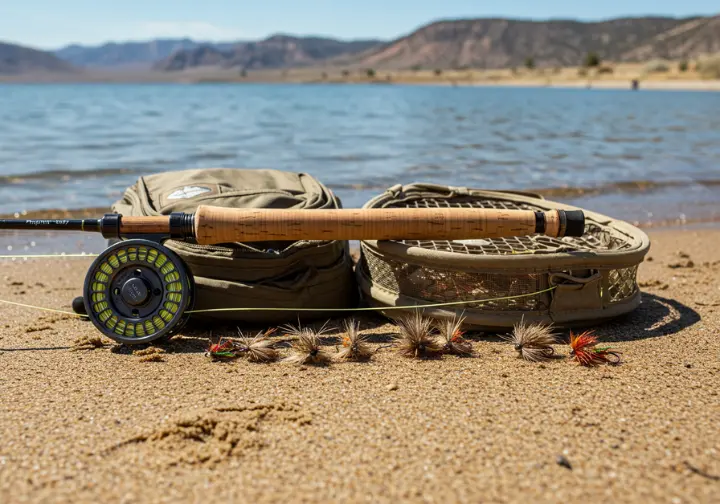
(592, 278)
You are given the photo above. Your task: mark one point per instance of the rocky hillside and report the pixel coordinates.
(15, 59)
(129, 54)
(191, 58)
(475, 43)
(502, 43)
(691, 39)
(274, 52)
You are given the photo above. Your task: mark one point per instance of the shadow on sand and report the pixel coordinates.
(656, 316)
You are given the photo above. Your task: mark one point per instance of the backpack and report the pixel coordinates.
(283, 275)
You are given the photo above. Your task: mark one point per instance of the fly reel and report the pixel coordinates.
(138, 291)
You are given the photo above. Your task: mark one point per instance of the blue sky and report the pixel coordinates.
(50, 24)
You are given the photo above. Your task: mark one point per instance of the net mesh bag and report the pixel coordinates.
(565, 281)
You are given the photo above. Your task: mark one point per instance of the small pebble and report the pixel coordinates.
(392, 386)
(687, 264)
(561, 460)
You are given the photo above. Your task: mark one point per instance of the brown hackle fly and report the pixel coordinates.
(533, 342)
(354, 344)
(306, 349)
(415, 338)
(451, 337)
(257, 348)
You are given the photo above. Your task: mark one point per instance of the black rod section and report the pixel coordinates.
(90, 225)
(572, 223)
(539, 222)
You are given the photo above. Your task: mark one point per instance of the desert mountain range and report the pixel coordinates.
(504, 43)
(464, 43)
(129, 54)
(278, 51)
(15, 59)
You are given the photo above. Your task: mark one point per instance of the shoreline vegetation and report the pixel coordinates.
(653, 75)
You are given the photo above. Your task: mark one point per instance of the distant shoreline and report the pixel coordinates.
(689, 85)
(620, 76)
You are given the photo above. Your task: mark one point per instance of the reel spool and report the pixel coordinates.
(138, 291)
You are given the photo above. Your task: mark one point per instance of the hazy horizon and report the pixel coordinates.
(47, 25)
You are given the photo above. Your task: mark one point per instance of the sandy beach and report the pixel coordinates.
(168, 425)
(620, 77)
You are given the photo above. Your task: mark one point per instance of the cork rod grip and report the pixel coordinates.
(225, 225)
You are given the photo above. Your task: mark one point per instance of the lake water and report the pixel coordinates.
(80, 146)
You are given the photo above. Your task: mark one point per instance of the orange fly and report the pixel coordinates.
(586, 352)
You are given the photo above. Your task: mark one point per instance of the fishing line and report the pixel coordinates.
(46, 256)
(42, 308)
(316, 310)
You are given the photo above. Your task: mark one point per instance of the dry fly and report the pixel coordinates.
(416, 338)
(306, 348)
(451, 337)
(533, 342)
(354, 344)
(258, 348)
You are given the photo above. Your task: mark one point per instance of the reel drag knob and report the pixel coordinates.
(135, 292)
(138, 291)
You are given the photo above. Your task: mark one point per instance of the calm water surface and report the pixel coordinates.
(79, 146)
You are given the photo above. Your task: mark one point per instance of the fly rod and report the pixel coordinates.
(138, 290)
(212, 225)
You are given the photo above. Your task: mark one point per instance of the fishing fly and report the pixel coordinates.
(257, 348)
(585, 351)
(532, 341)
(222, 350)
(307, 346)
(415, 338)
(451, 337)
(355, 345)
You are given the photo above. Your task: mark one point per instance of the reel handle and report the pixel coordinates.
(225, 225)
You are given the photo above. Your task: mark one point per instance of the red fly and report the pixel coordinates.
(222, 350)
(586, 352)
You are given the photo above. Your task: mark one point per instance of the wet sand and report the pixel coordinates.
(171, 426)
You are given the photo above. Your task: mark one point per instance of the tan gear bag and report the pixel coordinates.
(282, 275)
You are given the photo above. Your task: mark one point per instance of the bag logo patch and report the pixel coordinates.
(188, 192)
